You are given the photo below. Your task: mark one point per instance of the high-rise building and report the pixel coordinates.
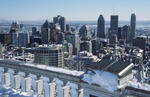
(53, 37)
(119, 32)
(35, 31)
(68, 28)
(60, 37)
(126, 33)
(84, 32)
(140, 41)
(45, 32)
(95, 46)
(133, 26)
(23, 39)
(61, 21)
(114, 22)
(74, 39)
(15, 39)
(113, 40)
(86, 46)
(101, 27)
(51, 55)
(15, 27)
(68, 49)
(56, 19)
(5, 38)
(113, 31)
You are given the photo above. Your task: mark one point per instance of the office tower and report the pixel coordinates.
(95, 46)
(133, 25)
(35, 31)
(5, 38)
(140, 42)
(60, 37)
(51, 55)
(101, 27)
(113, 40)
(61, 21)
(84, 32)
(15, 39)
(45, 32)
(15, 27)
(53, 36)
(68, 49)
(68, 28)
(23, 39)
(126, 33)
(56, 19)
(74, 39)
(86, 46)
(114, 23)
(119, 32)
(113, 31)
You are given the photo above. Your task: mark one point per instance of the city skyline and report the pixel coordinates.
(85, 10)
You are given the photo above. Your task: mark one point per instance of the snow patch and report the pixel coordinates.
(56, 69)
(104, 79)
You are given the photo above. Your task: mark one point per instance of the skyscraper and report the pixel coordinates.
(61, 21)
(68, 28)
(15, 27)
(56, 19)
(45, 32)
(114, 24)
(74, 39)
(23, 39)
(113, 31)
(84, 32)
(101, 27)
(125, 33)
(133, 25)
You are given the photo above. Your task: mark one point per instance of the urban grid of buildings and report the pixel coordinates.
(112, 62)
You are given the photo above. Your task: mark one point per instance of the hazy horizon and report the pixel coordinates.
(73, 10)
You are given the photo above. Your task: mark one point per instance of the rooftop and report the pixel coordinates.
(113, 66)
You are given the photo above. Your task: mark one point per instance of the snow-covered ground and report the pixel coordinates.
(8, 92)
(104, 79)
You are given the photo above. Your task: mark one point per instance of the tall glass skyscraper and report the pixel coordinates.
(114, 22)
(61, 21)
(101, 27)
(133, 25)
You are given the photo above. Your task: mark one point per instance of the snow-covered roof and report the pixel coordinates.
(44, 67)
(117, 67)
(56, 69)
(103, 79)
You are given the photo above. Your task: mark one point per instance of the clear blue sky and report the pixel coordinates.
(73, 9)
